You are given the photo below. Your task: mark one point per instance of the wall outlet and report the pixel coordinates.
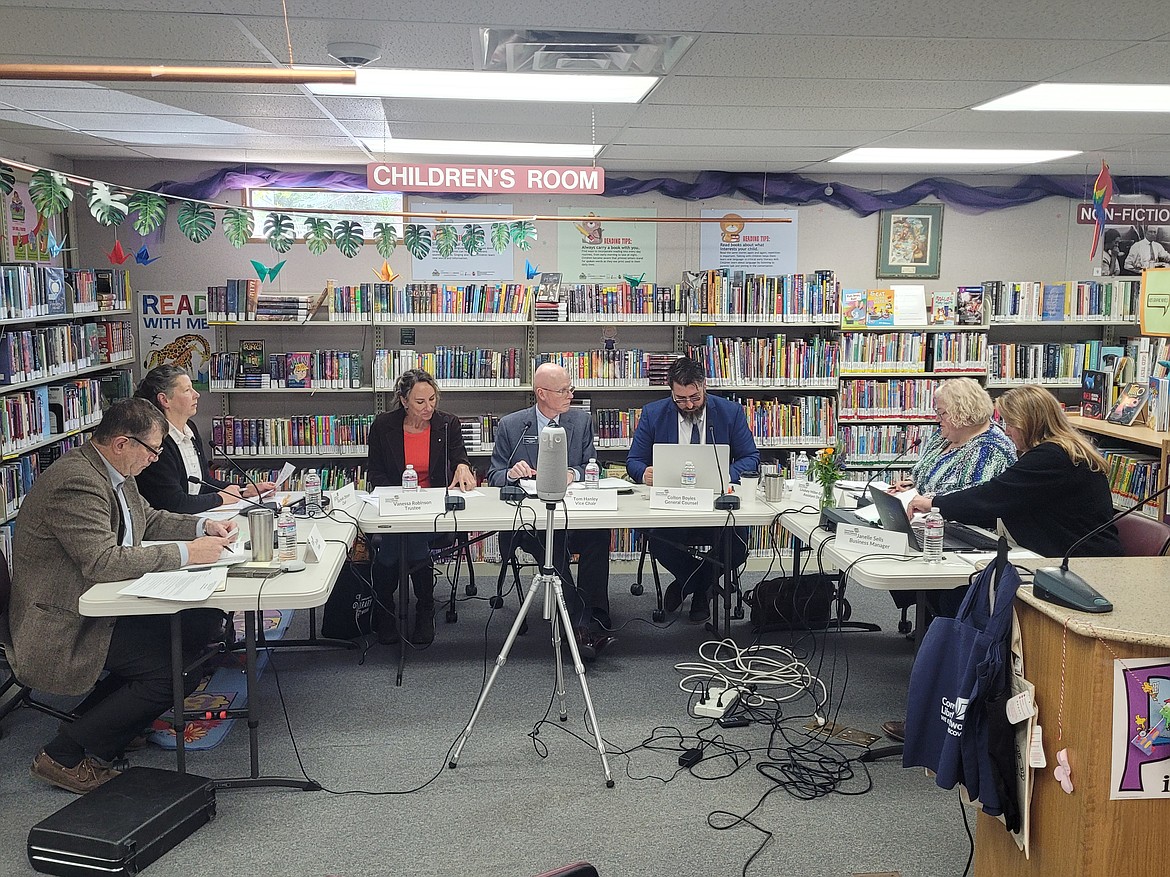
(717, 702)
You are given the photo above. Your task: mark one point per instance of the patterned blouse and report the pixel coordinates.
(977, 460)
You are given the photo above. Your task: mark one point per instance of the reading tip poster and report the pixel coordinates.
(595, 249)
(738, 243)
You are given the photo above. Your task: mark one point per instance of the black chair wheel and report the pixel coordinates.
(637, 590)
(737, 613)
(659, 615)
(471, 590)
(496, 602)
(905, 628)
(452, 616)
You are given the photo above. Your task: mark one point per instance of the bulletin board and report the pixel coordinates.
(1155, 302)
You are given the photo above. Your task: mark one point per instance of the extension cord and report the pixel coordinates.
(718, 702)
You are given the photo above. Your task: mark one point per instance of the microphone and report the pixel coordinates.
(726, 501)
(215, 449)
(450, 503)
(552, 464)
(864, 499)
(514, 492)
(1063, 587)
(191, 479)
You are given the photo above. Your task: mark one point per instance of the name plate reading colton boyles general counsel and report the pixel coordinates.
(699, 498)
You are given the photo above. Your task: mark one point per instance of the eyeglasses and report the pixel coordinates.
(694, 399)
(566, 391)
(941, 413)
(156, 452)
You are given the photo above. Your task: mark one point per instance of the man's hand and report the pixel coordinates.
(221, 528)
(648, 475)
(230, 494)
(521, 470)
(207, 549)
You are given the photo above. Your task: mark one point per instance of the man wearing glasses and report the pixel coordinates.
(513, 458)
(690, 416)
(84, 522)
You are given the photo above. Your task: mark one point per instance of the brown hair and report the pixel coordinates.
(1036, 414)
(411, 378)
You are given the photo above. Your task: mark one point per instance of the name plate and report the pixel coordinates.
(315, 547)
(344, 498)
(586, 500)
(699, 498)
(430, 501)
(855, 539)
(805, 493)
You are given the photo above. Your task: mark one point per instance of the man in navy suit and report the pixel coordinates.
(514, 457)
(690, 416)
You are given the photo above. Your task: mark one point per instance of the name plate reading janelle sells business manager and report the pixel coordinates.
(857, 540)
(429, 501)
(582, 499)
(699, 498)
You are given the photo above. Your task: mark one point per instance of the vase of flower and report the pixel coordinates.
(827, 469)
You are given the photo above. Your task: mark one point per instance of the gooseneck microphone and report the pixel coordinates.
(191, 479)
(726, 501)
(1062, 586)
(864, 499)
(215, 449)
(450, 503)
(513, 492)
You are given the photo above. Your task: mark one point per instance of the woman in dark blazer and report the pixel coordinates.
(164, 482)
(414, 433)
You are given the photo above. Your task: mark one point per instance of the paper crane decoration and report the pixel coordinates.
(530, 270)
(385, 273)
(634, 281)
(55, 248)
(143, 257)
(117, 256)
(265, 273)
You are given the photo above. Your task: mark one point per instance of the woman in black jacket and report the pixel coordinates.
(164, 482)
(415, 433)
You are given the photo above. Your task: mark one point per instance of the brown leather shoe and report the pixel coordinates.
(86, 777)
(895, 731)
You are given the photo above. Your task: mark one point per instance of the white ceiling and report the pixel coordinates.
(778, 87)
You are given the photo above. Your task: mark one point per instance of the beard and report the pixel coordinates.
(693, 415)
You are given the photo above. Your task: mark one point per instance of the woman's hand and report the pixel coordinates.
(899, 486)
(464, 478)
(229, 495)
(920, 504)
(260, 488)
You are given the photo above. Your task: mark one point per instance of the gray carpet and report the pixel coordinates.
(507, 812)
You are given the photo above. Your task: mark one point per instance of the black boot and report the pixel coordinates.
(385, 581)
(423, 581)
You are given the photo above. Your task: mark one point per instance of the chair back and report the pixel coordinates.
(1143, 536)
(578, 869)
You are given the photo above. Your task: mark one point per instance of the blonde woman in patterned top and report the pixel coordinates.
(968, 448)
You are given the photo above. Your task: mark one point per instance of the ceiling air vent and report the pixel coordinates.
(540, 51)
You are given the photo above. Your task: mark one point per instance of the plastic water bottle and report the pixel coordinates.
(410, 478)
(286, 536)
(592, 474)
(688, 474)
(312, 491)
(932, 537)
(800, 464)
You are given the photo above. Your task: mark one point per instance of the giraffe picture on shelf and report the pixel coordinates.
(173, 330)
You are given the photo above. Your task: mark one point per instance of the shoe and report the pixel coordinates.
(424, 626)
(86, 777)
(602, 641)
(895, 731)
(585, 646)
(672, 599)
(700, 608)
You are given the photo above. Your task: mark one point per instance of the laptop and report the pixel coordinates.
(669, 461)
(892, 514)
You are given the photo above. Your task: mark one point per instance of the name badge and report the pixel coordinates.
(806, 493)
(854, 539)
(315, 548)
(344, 498)
(413, 502)
(697, 498)
(581, 499)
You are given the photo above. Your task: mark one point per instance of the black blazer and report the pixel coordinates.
(164, 482)
(387, 451)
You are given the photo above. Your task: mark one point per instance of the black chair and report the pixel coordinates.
(713, 564)
(458, 553)
(578, 869)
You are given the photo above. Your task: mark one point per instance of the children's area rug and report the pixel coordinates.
(224, 687)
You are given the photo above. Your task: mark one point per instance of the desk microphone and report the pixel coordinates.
(450, 503)
(726, 501)
(514, 492)
(1063, 587)
(215, 449)
(272, 506)
(864, 499)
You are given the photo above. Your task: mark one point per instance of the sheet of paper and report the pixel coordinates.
(234, 553)
(178, 585)
(285, 473)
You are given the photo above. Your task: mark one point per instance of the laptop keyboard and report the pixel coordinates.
(969, 537)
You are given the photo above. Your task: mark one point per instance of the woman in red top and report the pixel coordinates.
(418, 434)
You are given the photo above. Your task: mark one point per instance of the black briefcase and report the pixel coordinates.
(123, 825)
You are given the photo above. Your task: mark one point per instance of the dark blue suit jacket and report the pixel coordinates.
(725, 421)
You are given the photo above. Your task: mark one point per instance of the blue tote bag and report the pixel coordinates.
(962, 661)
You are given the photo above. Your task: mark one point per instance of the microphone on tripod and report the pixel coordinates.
(552, 464)
(191, 479)
(864, 499)
(726, 501)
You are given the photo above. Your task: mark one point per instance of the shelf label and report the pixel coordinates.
(700, 498)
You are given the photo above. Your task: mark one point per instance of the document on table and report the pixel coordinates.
(285, 473)
(231, 554)
(180, 585)
(528, 485)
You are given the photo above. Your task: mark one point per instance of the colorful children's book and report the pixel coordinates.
(252, 359)
(298, 370)
(1130, 404)
(970, 306)
(942, 307)
(1094, 393)
(1053, 304)
(853, 307)
(879, 307)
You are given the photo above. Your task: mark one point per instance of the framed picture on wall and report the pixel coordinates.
(909, 242)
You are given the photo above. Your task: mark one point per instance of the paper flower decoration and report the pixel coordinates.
(1063, 772)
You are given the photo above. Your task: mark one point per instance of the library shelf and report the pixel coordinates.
(52, 438)
(57, 318)
(64, 376)
(367, 390)
(1141, 436)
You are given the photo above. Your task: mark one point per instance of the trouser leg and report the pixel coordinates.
(592, 548)
(666, 547)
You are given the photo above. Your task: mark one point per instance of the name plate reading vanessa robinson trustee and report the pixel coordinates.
(586, 500)
(856, 540)
(429, 501)
(699, 498)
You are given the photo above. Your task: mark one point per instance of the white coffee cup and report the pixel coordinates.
(749, 484)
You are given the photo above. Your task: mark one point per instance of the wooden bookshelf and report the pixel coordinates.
(1140, 435)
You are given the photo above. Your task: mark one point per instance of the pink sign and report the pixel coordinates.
(515, 179)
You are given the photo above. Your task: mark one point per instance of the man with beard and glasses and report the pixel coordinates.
(690, 416)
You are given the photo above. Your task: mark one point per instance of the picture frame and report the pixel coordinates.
(910, 241)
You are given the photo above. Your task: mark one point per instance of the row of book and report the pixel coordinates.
(95, 290)
(445, 303)
(768, 361)
(333, 477)
(1034, 300)
(897, 352)
(808, 421)
(622, 302)
(865, 443)
(479, 433)
(31, 291)
(727, 295)
(31, 417)
(456, 367)
(1132, 476)
(1043, 363)
(316, 369)
(244, 300)
(610, 367)
(301, 435)
(51, 351)
(896, 397)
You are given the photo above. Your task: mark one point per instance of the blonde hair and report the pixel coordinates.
(967, 402)
(1036, 415)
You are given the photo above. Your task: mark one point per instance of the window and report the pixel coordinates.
(265, 201)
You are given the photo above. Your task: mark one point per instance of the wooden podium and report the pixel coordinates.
(1085, 834)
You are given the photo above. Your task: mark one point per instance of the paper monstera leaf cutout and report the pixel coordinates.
(7, 179)
(501, 236)
(446, 238)
(150, 211)
(318, 235)
(196, 221)
(107, 206)
(472, 239)
(417, 239)
(50, 192)
(523, 234)
(385, 239)
(278, 228)
(238, 226)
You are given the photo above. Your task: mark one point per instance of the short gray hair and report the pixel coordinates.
(133, 417)
(967, 403)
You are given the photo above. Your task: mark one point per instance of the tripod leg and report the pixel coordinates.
(501, 659)
(579, 669)
(554, 622)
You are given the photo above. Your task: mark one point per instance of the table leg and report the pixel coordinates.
(178, 720)
(403, 600)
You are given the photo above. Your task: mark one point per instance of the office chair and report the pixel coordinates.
(23, 693)
(459, 552)
(1143, 536)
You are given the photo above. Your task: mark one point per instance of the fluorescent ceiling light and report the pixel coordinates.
(495, 149)
(1085, 97)
(913, 155)
(490, 85)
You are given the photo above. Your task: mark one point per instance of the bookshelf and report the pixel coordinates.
(1121, 444)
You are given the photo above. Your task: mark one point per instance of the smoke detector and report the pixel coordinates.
(354, 54)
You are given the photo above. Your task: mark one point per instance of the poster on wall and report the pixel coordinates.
(737, 243)
(24, 237)
(595, 250)
(485, 266)
(173, 330)
(1141, 729)
(1136, 236)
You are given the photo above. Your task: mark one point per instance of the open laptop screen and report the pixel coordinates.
(669, 460)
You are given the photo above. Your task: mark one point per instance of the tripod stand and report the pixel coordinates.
(557, 613)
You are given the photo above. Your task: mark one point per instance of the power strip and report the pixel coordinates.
(717, 703)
